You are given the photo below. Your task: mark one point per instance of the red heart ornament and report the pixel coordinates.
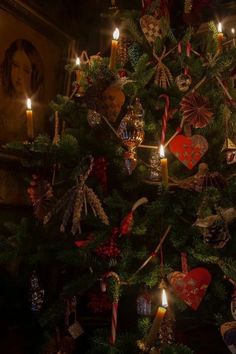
(190, 287)
(189, 149)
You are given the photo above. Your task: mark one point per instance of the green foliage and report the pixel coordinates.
(176, 349)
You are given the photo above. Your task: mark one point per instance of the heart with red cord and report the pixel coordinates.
(192, 286)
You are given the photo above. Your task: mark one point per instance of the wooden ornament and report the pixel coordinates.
(189, 149)
(190, 287)
(111, 102)
(151, 28)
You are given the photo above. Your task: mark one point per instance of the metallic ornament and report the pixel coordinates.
(229, 148)
(131, 133)
(36, 294)
(94, 118)
(183, 82)
(155, 166)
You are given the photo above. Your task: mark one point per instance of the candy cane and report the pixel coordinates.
(114, 306)
(165, 117)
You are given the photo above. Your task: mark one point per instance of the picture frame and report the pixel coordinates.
(33, 54)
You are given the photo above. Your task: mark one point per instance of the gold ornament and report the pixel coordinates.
(131, 132)
(93, 118)
(188, 4)
(229, 148)
(183, 82)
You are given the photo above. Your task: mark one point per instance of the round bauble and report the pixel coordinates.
(183, 82)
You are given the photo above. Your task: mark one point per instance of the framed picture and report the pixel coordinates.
(33, 53)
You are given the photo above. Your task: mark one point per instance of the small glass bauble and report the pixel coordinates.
(94, 118)
(183, 82)
(144, 303)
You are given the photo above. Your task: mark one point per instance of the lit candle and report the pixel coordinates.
(114, 46)
(79, 76)
(233, 33)
(30, 122)
(164, 167)
(220, 37)
(156, 325)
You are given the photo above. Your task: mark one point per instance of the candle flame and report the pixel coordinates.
(232, 30)
(28, 103)
(116, 34)
(164, 298)
(77, 62)
(162, 151)
(219, 27)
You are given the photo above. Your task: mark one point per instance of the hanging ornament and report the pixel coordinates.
(135, 52)
(100, 171)
(110, 248)
(99, 303)
(41, 194)
(144, 303)
(229, 148)
(188, 149)
(151, 28)
(188, 4)
(190, 287)
(131, 133)
(195, 110)
(122, 50)
(73, 326)
(74, 200)
(115, 301)
(214, 228)
(183, 82)
(155, 166)
(233, 303)
(228, 332)
(94, 118)
(36, 294)
(163, 76)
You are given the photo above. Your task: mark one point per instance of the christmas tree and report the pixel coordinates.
(130, 248)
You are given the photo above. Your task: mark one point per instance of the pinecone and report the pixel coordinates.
(122, 51)
(135, 53)
(216, 235)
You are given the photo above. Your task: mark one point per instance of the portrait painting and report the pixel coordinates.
(33, 53)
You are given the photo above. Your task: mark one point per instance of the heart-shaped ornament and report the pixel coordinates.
(190, 287)
(111, 102)
(151, 28)
(189, 149)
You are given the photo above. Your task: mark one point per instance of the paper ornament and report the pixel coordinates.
(192, 286)
(151, 28)
(189, 149)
